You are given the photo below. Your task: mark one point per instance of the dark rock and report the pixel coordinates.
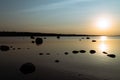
(47, 53)
(58, 37)
(75, 52)
(93, 40)
(39, 41)
(57, 61)
(82, 51)
(82, 37)
(105, 52)
(32, 37)
(27, 68)
(92, 51)
(111, 55)
(33, 41)
(4, 48)
(18, 48)
(87, 37)
(13, 48)
(66, 53)
(40, 53)
(45, 38)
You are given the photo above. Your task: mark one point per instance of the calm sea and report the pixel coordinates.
(61, 59)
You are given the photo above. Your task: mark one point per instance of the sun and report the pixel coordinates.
(103, 23)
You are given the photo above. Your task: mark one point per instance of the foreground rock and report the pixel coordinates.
(111, 55)
(39, 41)
(93, 40)
(27, 68)
(105, 52)
(75, 52)
(4, 48)
(92, 51)
(82, 51)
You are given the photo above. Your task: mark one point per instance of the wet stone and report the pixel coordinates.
(57, 61)
(75, 52)
(93, 40)
(87, 37)
(13, 48)
(47, 53)
(66, 53)
(39, 41)
(18, 48)
(33, 41)
(4, 48)
(105, 52)
(111, 55)
(27, 68)
(82, 51)
(40, 53)
(92, 51)
(32, 37)
(58, 37)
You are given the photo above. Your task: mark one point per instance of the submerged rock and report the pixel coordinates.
(33, 41)
(82, 51)
(58, 37)
(111, 55)
(4, 48)
(40, 53)
(66, 53)
(75, 52)
(57, 61)
(32, 37)
(92, 51)
(105, 52)
(47, 53)
(87, 37)
(27, 68)
(93, 40)
(39, 41)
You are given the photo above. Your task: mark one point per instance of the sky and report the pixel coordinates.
(59, 16)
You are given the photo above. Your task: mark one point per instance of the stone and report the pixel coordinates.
(75, 52)
(39, 41)
(66, 53)
(92, 51)
(27, 68)
(4, 48)
(82, 51)
(111, 55)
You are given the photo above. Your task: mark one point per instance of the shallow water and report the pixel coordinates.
(51, 62)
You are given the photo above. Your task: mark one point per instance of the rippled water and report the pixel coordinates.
(54, 58)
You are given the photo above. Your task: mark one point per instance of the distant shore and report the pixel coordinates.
(44, 34)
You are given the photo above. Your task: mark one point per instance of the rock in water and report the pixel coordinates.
(111, 55)
(39, 41)
(32, 37)
(4, 48)
(75, 51)
(27, 68)
(82, 51)
(92, 51)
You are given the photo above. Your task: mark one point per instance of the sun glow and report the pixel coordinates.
(103, 23)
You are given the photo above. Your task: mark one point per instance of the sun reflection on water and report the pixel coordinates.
(103, 38)
(103, 46)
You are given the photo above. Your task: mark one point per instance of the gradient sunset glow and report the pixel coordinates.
(61, 16)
